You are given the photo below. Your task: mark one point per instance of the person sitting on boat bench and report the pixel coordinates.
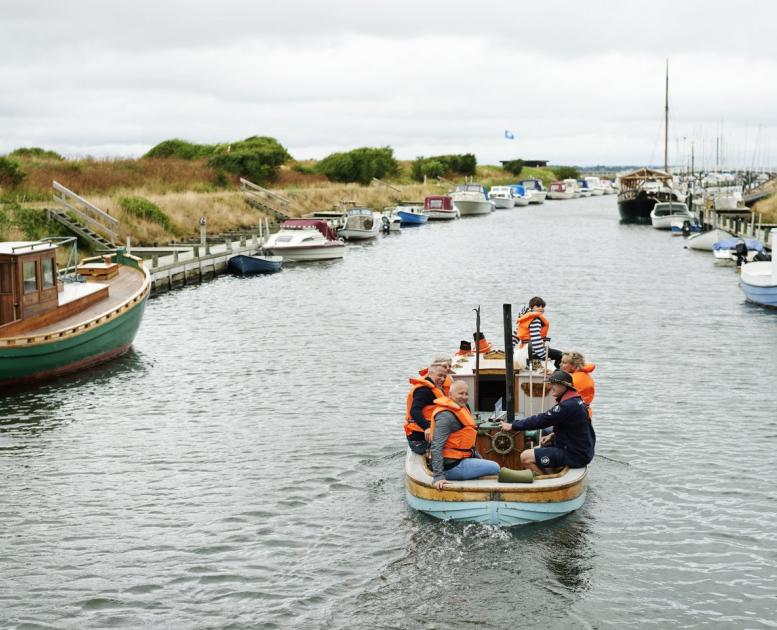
(454, 432)
(532, 329)
(447, 363)
(573, 438)
(574, 363)
(420, 404)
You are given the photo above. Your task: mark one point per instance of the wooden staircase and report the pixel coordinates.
(83, 219)
(273, 204)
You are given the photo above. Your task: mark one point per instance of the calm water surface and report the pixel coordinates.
(242, 467)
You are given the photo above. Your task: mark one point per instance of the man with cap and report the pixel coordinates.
(573, 438)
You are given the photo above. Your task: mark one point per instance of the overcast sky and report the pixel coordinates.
(576, 82)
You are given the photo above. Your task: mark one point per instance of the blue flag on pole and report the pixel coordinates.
(509, 135)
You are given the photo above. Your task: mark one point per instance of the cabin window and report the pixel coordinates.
(49, 273)
(30, 276)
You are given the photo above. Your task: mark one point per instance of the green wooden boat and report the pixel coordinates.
(49, 327)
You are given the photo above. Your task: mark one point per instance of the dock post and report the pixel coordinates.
(129, 247)
(203, 236)
(175, 255)
(154, 261)
(207, 248)
(196, 251)
(228, 244)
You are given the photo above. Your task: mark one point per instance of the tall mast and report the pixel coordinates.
(666, 121)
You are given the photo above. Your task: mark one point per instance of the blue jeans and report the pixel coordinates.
(472, 468)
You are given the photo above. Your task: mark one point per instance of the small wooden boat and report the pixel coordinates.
(487, 500)
(250, 265)
(705, 240)
(50, 327)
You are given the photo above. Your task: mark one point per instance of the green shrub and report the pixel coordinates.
(359, 165)
(32, 222)
(180, 149)
(514, 167)
(299, 167)
(257, 158)
(36, 152)
(10, 173)
(439, 165)
(145, 209)
(566, 172)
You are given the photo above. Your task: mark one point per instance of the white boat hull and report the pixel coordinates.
(501, 203)
(468, 208)
(299, 253)
(351, 234)
(522, 201)
(561, 195)
(705, 240)
(442, 215)
(537, 196)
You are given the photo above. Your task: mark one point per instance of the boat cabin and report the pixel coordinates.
(558, 187)
(518, 190)
(438, 202)
(28, 280)
(666, 209)
(531, 184)
(471, 188)
(31, 293)
(310, 224)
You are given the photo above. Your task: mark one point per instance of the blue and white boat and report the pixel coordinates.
(534, 189)
(520, 195)
(758, 280)
(411, 213)
(728, 251)
(250, 265)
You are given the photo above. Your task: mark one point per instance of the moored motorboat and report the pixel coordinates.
(558, 190)
(502, 197)
(52, 325)
(360, 224)
(664, 214)
(758, 280)
(595, 185)
(520, 195)
(534, 189)
(301, 240)
(471, 200)
(251, 265)
(736, 251)
(440, 208)
(583, 189)
(411, 213)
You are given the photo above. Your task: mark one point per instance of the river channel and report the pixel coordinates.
(242, 466)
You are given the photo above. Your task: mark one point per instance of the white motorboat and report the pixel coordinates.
(502, 196)
(535, 191)
(705, 240)
(735, 251)
(594, 185)
(664, 214)
(392, 222)
(360, 224)
(305, 239)
(583, 189)
(558, 190)
(759, 279)
(440, 208)
(470, 200)
(573, 186)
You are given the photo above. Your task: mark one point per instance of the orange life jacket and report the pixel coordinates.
(522, 329)
(584, 384)
(410, 425)
(459, 443)
(446, 385)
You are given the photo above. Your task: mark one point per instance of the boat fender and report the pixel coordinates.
(508, 475)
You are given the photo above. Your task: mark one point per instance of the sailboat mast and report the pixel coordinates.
(666, 121)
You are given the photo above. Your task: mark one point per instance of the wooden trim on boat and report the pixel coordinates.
(97, 320)
(526, 493)
(51, 317)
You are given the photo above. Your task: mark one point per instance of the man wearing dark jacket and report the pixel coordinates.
(573, 438)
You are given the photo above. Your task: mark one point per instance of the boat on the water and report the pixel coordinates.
(411, 213)
(534, 189)
(502, 197)
(53, 324)
(251, 265)
(302, 240)
(471, 200)
(685, 227)
(736, 251)
(642, 189)
(705, 240)
(558, 190)
(583, 189)
(758, 280)
(488, 500)
(360, 224)
(520, 195)
(664, 214)
(595, 185)
(440, 208)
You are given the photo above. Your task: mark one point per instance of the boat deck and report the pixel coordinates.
(120, 288)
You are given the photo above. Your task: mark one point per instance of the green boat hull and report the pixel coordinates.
(25, 364)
